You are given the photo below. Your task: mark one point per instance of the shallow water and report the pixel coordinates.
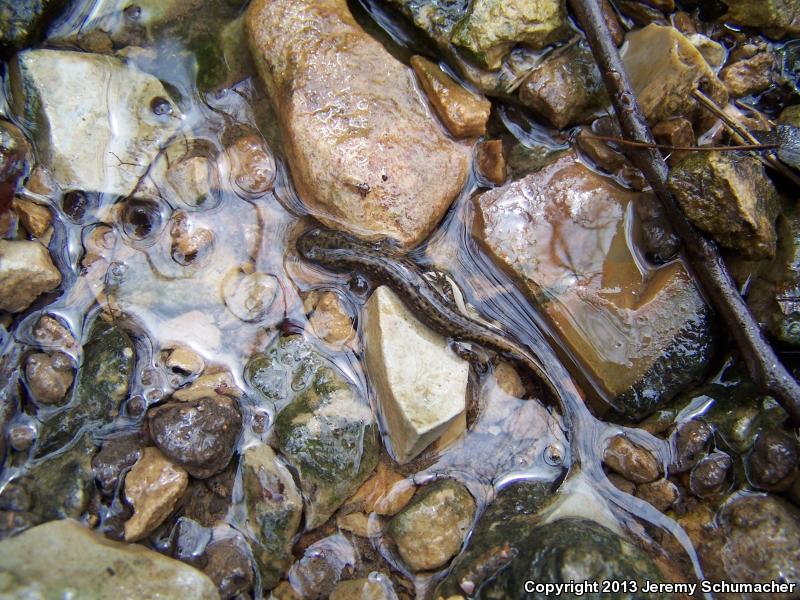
(165, 302)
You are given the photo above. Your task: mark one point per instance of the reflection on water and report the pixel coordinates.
(201, 256)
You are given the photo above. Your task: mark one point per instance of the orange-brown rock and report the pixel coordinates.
(640, 332)
(364, 151)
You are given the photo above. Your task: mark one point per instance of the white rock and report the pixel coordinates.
(421, 384)
(26, 271)
(93, 117)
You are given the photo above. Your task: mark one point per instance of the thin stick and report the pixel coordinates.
(704, 258)
(750, 147)
(744, 135)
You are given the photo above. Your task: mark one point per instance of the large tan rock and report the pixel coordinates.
(26, 272)
(421, 384)
(365, 153)
(63, 559)
(642, 333)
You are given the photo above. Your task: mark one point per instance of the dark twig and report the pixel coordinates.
(624, 142)
(705, 261)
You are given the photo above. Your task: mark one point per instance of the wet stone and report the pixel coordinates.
(709, 475)
(51, 333)
(361, 144)
(209, 385)
(116, 455)
(650, 337)
(54, 88)
(385, 493)
(35, 218)
(63, 559)
(22, 22)
(329, 320)
(376, 587)
(463, 113)
(729, 197)
(185, 360)
(229, 566)
(772, 464)
(658, 241)
(322, 566)
(49, 377)
(209, 500)
(775, 17)
(102, 383)
(274, 509)
(566, 88)
(661, 494)
(491, 28)
(153, 488)
(199, 435)
(252, 166)
(631, 461)
(749, 75)
(26, 272)
(430, 530)
(492, 161)
(323, 428)
(692, 440)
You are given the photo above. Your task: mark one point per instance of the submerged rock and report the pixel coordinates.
(229, 566)
(64, 559)
(49, 376)
(730, 198)
(54, 90)
(22, 21)
(561, 231)
(199, 435)
(566, 88)
(775, 17)
(361, 144)
(462, 112)
(26, 272)
(153, 488)
(430, 530)
(664, 67)
(376, 587)
(491, 28)
(630, 460)
(749, 75)
(323, 428)
(420, 383)
(116, 456)
(102, 384)
(274, 508)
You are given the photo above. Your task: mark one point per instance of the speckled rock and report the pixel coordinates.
(630, 460)
(274, 509)
(772, 464)
(199, 435)
(117, 454)
(709, 475)
(566, 88)
(641, 340)
(323, 428)
(416, 409)
(64, 559)
(430, 530)
(729, 197)
(153, 488)
(26, 272)
(749, 75)
(55, 89)
(322, 566)
(775, 17)
(229, 566)
(360, 142)
(376, 587)
(49, 376)
(491, 28)
(102, 383)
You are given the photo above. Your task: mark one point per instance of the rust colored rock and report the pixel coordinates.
(492, 161)
(365, 154)
(463, 113)
(633, 462)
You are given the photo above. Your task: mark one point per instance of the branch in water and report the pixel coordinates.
(704, 258)
(624, 142)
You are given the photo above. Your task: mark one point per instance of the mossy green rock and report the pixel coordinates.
(498, 536)
(102, 383)
(63, 559)
(730, 197)
(492, 28)
(771, 16)
(22, 21)
(323, 427)
(274, 509)
(775, 294)
(57, 487)
(565, 550)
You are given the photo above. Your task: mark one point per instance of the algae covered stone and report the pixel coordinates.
(274, 509)
(63, 559)
(324, 428)
(102, 383)
(491, 28)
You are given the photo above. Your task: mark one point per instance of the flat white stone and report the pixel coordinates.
(420, 383)
(92, 117)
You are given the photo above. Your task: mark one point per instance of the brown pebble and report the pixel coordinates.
(630, 460)
(772, 464)
(661, 494)
(492, 161)
(708, 476)
(691, 442)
